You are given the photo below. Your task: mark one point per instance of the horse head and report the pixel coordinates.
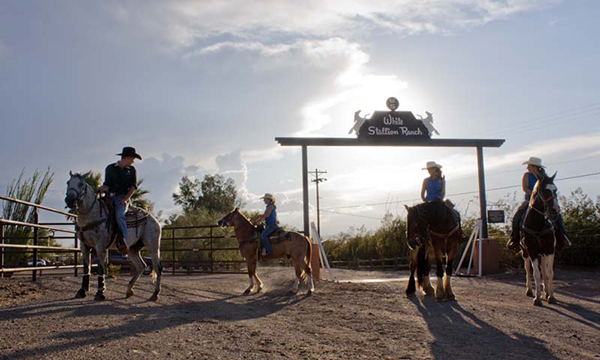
(76, 189)
(546, 192)
(416, 228)
(229, 219)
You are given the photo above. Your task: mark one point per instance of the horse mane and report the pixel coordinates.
(246, 219)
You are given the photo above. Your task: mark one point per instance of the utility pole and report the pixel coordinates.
(318, 180)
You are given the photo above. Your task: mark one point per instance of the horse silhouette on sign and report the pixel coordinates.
(428, 122)
(358, 122)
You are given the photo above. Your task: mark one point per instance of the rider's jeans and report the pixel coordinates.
(120, 211)
(264, 237)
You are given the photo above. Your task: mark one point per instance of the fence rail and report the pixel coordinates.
(396, 263)
(6, 224)
(193, 249)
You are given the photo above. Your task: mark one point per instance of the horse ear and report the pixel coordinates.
(237, 209)
(86, 174)
(70, 173)
(553, 176)
(406, 207)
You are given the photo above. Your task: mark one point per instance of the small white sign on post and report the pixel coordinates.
(323, 255)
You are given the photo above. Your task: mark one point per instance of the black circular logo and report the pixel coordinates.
(392, 103)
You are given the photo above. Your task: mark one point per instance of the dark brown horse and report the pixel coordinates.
(295, 245)
(433, 230)
(537, 238)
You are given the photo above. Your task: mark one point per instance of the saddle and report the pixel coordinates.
(277, 236)
(134, 218)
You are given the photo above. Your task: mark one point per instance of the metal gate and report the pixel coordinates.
(200, 249)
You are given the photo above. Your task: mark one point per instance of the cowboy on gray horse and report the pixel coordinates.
(120, 182)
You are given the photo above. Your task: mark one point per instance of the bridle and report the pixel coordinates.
(544, 201)
(79, 196)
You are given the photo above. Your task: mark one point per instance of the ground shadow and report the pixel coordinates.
(143, 317)
(459, 334)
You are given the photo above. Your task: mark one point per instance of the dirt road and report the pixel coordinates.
(206, 317)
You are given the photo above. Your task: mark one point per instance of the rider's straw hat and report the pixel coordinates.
(269, 196)
(535, 161)
(432, 164)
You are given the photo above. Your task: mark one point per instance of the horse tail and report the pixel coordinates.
(421, 264)
(308, 253)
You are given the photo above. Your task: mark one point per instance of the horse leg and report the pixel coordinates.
(439, 272)
(251, 265)
(138, 269)
(298, 271)
(527, 265)
(423, 268)
(410, 287)
(550, 279)
(447, 279)
(85, 279)
(102, 254)
(535, 263)
(154, 248)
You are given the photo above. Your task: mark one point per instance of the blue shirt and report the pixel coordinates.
(433, 188)
(272, 219)
(532, 182)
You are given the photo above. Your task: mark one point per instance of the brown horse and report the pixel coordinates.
(433, 230)
(296, 246)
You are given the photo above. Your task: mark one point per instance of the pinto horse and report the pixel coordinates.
(296, 246)
(538, 242)
(433, 230)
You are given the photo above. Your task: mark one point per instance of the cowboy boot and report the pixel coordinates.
(513, 242)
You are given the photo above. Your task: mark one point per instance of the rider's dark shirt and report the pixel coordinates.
(120, 180)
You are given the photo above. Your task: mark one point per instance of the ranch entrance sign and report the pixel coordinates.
(392, 128)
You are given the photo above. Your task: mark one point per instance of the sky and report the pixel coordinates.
(204, 87)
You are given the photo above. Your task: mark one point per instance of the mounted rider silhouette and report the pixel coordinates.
(535, 171)
(120, 182)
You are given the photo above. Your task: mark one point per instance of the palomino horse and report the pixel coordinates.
(433, 229)
(296, 246)
(94, 232)
(537, 238)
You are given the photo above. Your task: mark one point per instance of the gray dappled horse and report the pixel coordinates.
(538, 241)
(432, 231)
(94, 232)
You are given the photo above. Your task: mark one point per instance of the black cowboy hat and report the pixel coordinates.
(129, 151)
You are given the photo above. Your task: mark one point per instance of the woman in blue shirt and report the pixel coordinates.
(434, 187)
(270, 218)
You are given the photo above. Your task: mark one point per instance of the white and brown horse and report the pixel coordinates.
(538, 241)
(295, 245)
(432, 231)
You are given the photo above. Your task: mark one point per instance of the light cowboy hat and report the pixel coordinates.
(268, 196)
(432, 164)
(535, 161)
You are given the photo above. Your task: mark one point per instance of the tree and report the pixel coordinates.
(214, 194)
(32, 190)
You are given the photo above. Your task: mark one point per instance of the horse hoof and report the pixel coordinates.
(409, 294)
(551, 300)
(259, 290)
(529, 293)
(129, 294)
(309, 292)
(80, 294)
(247, 291)
(537, 302)
(153, 297)
(428, 291)
(451, 297)
(99, 297)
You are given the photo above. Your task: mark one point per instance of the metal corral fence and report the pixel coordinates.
(200, 249)
(31, 231)
(396, 263)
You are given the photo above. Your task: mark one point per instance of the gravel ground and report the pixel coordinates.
(206, 317)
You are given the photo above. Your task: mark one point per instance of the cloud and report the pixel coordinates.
(184, 24)
(162, 176)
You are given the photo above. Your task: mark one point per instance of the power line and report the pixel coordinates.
(355, 215)
(456, 194)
